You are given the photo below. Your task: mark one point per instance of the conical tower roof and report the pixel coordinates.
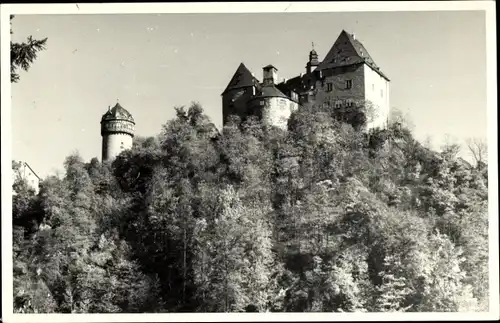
(117, 113)
(241, 78)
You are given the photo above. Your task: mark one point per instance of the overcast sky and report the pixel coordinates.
(154, 62)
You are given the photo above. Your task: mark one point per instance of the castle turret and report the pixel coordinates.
(313, 61)
(117, 131)
(270, 75)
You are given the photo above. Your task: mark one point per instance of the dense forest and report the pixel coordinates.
(320, 217)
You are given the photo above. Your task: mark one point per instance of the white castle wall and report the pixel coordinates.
(277, 111)
(113, 144)
(377, 93)
(117, 136)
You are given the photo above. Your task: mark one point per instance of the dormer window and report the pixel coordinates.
(348, 84)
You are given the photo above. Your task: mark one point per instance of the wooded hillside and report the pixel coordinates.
(320, 217)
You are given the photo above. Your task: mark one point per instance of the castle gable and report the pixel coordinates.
(347, 50)
(241, 78)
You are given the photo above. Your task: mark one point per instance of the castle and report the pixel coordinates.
(347, 76)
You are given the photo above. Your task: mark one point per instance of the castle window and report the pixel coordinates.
(329, 87)
(373, 87)
(348, 84)
(338, 104)
(381, 93)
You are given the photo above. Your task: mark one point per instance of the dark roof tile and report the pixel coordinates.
(347, 50)
(241, 78)
(298, 84)
(269, 67)
(269, 91)
(117, 112)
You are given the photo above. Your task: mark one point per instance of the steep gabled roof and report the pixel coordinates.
(241, 78)
(347, 50)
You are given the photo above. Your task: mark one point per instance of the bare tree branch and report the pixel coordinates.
(478, 149)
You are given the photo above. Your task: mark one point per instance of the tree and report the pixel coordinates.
(22, 55)
(398, 117)
(441, 287)
(393, 290)
(318, 218)
(478, 148)
(234, 257)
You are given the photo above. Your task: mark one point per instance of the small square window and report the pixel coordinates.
(329, 87)
(348, 84)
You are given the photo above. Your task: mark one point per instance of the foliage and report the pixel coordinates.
(22, 55)
(320, 217)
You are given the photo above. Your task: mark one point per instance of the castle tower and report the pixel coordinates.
(313, 61)
(117, 131)
(242, 87)
(270, 75)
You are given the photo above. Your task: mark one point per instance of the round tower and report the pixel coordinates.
(117, 131)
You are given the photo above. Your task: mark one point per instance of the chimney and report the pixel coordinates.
(284, 80)
(270, 75)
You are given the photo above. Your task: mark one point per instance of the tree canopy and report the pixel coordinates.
(319, 217)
